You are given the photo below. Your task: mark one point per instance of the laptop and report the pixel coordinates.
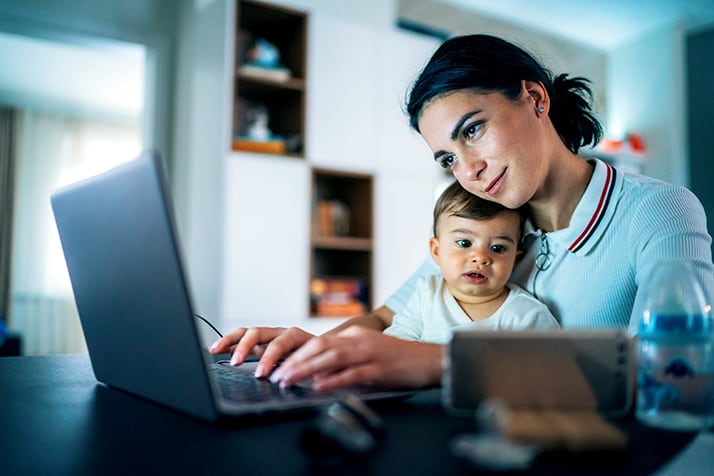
(133, 297)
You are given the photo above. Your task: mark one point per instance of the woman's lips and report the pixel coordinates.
(496, 184)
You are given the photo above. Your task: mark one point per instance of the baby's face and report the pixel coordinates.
(477, 256)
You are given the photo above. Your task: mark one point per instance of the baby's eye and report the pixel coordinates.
(464, 243)
(447, 161)
(499, 249)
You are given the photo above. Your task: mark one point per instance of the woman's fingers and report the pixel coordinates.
(280, 345)
(330, 354)
(348, 377)
(357, 356)
(252, 338)
(243, 341)
(225, 343)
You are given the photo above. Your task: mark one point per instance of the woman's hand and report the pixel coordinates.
(273, 343)
(358, 355)
(268, 343)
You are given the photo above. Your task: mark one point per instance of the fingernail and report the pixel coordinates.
(235, 359)
(259, 371)
(213, 346)
(276, 376)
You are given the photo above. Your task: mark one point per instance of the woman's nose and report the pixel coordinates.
(470, 168)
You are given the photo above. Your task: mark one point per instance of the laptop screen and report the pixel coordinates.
(123, 257)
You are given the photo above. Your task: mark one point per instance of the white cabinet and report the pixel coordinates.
(407, 176)
(267, 223)
(401, 150)
(344, 78)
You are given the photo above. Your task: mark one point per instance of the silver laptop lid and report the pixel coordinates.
(117, 233)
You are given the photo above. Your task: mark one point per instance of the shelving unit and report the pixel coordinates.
(278, 90)
(341, 243)
(334, 159)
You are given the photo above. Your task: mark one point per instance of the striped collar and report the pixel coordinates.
(593, 213)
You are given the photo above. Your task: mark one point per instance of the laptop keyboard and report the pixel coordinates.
(240, 385)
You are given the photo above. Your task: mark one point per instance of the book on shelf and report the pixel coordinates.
(333, 218)
(340, 309)
(273, 73)
(337, 297)
(275, 146)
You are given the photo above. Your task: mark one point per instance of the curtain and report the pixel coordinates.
(53, 151)
(7, 191)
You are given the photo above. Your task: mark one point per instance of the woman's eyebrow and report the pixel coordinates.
(459, 124)
(439, 153)
(457, 128)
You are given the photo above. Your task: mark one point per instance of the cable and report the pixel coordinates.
(209, 325)
(542, 260)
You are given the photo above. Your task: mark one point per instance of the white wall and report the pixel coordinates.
(201, 123)
(265, 251)
(407, 175)
(344, 80)
(375, 13)
(558, 54)
(647, 96)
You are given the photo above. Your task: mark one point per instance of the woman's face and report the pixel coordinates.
(493, 145)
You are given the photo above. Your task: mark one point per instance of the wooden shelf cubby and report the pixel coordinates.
(279, 90)
(341, 243)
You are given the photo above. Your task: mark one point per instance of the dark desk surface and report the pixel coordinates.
(56, 419)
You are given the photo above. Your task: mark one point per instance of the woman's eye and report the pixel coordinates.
(500, 249)
(447, 161)
(471, 130)
(463, 243)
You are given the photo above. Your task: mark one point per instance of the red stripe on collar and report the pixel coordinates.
(604, 194)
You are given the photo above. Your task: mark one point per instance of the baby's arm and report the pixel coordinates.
(408, 323)
(379, 319)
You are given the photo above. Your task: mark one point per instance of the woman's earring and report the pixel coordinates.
(540, 109)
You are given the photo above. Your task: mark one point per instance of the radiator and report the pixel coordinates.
(47, 324)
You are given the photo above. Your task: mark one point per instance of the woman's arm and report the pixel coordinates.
(677, 231)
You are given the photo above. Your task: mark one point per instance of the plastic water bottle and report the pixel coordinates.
(3, 332)
(675, 352)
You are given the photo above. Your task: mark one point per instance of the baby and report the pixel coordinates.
(476, 245)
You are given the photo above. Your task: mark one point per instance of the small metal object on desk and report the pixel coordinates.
(489, 449)
(347, 426)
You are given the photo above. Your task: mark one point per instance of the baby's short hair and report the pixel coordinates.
(457, 201)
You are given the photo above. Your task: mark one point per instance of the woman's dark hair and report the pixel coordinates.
(489, 64)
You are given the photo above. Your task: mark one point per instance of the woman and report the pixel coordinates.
(510, 132)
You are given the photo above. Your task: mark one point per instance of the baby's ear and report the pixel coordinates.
(434, 249)
(519, 257)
